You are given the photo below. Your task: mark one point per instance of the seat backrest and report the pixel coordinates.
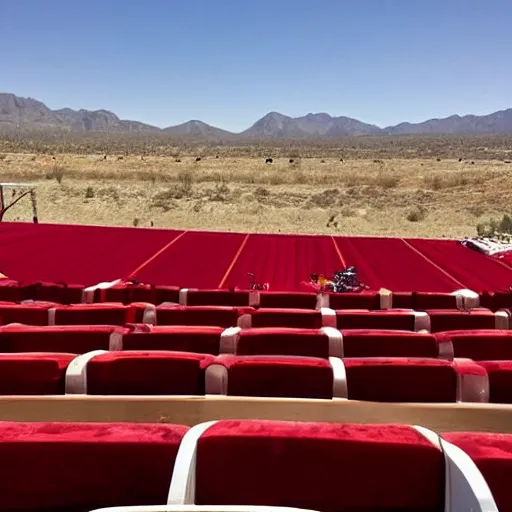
(452, 320)
(363, 300)
(189, 338)
(221, 316)
(271, 376)
(218, 297)
(34, 313)
(77, 339)
(323, 342)
(500, 380)
(403, 320)
(83, 466)
(92, 314)
(320, 466)
(284, 317)
(490, 344)
(390, 343)
(415, 380)
(33, 373)
(138, 373)
(293, 300)
(492, 454)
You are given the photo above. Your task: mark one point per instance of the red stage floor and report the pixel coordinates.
(88, 254)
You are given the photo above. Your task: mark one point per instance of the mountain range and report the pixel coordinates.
(30, 114)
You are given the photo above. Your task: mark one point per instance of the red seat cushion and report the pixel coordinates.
(500, 381)
(200, 339)
(319, 466)
(492, 454)
(63, 338)
(298, 318)
(388, 319)
(221, 316)
(33, 374)
(10, 290)
(147, 373)
(94, 314)
(491, 344)
(452, 320)
(167, 294)
(84, 466)
(294, 300)
(126, 293)
(283, 341)
(278, 376)
(403, 380)
(388, 343)
(31, 314)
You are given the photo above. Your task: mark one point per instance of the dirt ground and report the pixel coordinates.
(428, 197)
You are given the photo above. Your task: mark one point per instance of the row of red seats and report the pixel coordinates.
(315, 466)
(184, 373)
(479, 345)
(127, 293)
(45, 313)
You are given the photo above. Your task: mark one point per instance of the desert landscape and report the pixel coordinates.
(314, 174)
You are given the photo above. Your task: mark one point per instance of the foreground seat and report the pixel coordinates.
(33, 373)
(276, 376)
(77, 339)
(10, 290)
(305, 465)
(363, 300)
(402, 320)
(484, 344)
(137, 373)
(31, 313)
(492, 454)
(189, 338)
(82, 466)
(61, 293)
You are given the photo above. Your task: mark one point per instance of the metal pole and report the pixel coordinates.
(2, 206)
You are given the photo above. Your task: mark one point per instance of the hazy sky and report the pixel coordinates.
(229, 62)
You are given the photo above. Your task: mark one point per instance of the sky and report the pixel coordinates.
(229, 62)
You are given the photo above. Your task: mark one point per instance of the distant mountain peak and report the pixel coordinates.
(31, 114)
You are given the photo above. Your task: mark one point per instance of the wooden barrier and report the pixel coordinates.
(194, 410)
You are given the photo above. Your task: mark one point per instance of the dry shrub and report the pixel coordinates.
(416, 215)
(387, 180)
(89, 193)
(57, 174)
(325, 199)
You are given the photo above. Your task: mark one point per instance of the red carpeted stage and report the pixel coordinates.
(91, 254)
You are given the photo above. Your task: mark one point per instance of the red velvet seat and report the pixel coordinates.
(221, 316)
(390, 343)
(190, 338)
(492, 454)
(126, 293)
(10, 290)
(33, 313)
(218, 297)
(138, 373)
(363, 300)
(318, 466)
(323, 342)
(479, 345)
(293, 300)
(63, 338)
(169, 294)
(33, 374)
(84, 466)
(401, 320)
(453, 320)
(421, 301)
(500, 380)
(93, 314)
(288, 317)
(275, 376)
(60, 293)
(496, 300)
(415, 380)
